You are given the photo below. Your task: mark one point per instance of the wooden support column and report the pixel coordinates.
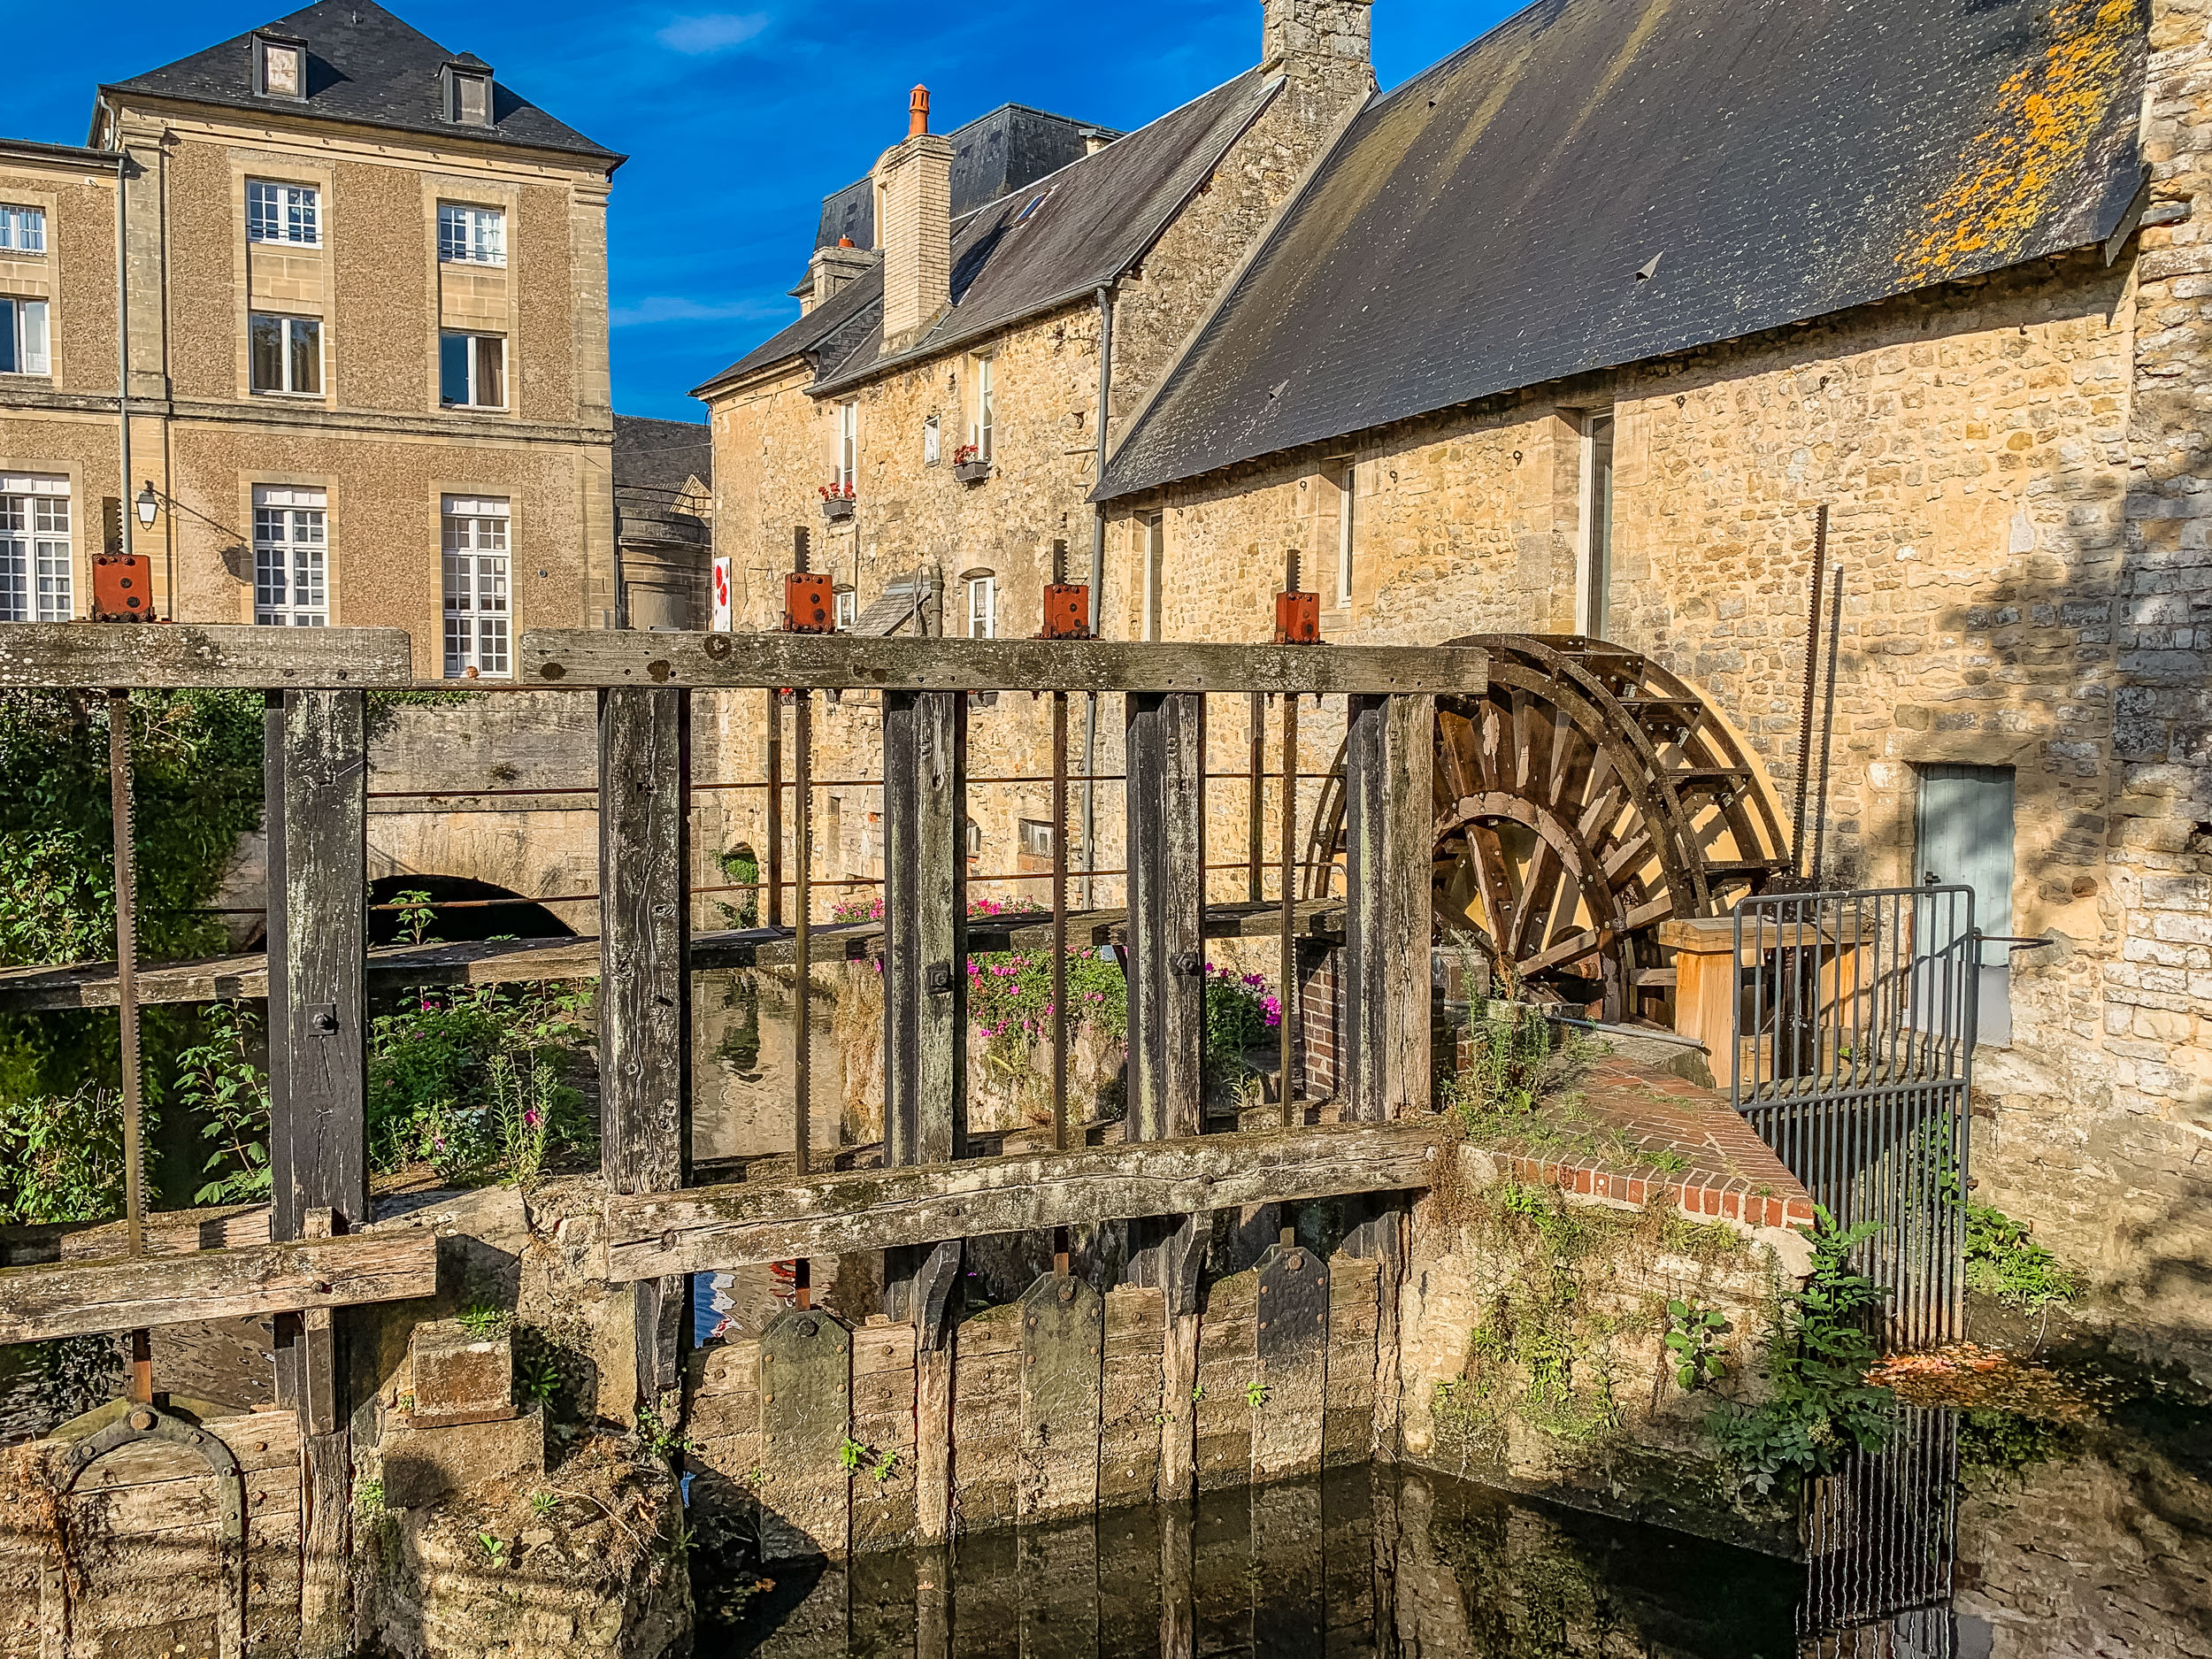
(1166, 749)
(316, 758)
(1388, 765)
(645, 988)
(1382, 1238)
(925, 923)
(925, 1043)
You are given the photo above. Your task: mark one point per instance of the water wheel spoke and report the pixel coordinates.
(1627, 856)
(1461, 753)
(1575, 946)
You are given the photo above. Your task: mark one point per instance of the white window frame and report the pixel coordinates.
(847, 610)
(290, 328)
(478, 593)
(1594, 555)
(1035, 838)
(22, 228)
(284, 215)
(291, 557)
(983, 607)
(475, 369)
(845, 465)
(986, 409)
(468, 235)
(37, 548)
(26, 334)
(1152, 533)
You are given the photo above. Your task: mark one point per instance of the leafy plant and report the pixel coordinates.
(659, 1438)
(368, 1497)
(2003, 1261)
(740, 868)
(436, 1093)
(543, 1503)
(417, 915)
(539, 1377)
(61, 1156)
(851, 1455)
(483, 1318)
(495, 1546)
(1820, 1408)
(218, 1081)
(880, 1470)
(1256, 1393)
(1692, 1333)
(1198, 1393)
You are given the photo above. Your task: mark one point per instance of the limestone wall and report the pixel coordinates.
(2013, 525)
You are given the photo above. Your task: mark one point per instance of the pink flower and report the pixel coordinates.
(530, 1118)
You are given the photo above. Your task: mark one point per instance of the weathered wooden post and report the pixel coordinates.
(924, 1041)
(1165, 749)
(315, 765)
(1389, 766)
(645, 987)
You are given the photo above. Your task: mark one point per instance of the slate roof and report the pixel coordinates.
(34, 150)
(1011, 146)
(660, 455)
(1092, 220)
(364, 66)
(1483, 227)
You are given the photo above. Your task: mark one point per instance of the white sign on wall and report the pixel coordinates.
(721, 623)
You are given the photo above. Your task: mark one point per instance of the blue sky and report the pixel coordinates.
(738, 122)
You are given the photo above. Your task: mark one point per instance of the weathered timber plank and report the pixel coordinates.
(644, 1007)
(1063, 1340)
(317, 784)
(1165, 745)
(499, 962)
(924, 933)
(805, 1414)
(1389, 758)
(87, 1298)
(709, 1228)
(582, 657)
(69, 654)
(1292, 1342)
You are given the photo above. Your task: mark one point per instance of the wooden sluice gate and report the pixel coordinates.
(1122, 1374)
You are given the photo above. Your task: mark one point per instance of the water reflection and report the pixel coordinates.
(1358, 1562)
(744, 1070)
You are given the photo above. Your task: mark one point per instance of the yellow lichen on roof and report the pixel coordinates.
(2045, 112)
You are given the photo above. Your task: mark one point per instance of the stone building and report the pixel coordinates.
(664, 507)
(365, 339)
(933, 423)
(1575, 331)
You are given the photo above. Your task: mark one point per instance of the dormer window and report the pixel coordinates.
(468, 94)
(279, 67)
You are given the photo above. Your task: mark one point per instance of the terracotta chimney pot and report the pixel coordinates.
(918, 113)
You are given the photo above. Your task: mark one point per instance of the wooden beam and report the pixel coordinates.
(505, 961)
(72, 654)
(706, 1229)
(1165, 746)
(124, 1293)
(318, 781)
(644, 1006)
(598, 656)
(925, 927)
(1389, 762)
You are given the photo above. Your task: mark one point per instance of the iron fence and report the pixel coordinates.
(1852, 1058)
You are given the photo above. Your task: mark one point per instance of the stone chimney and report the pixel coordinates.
(1321, 44)
(914, 224)
(830, 270)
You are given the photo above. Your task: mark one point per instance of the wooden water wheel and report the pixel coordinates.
(1585, 797)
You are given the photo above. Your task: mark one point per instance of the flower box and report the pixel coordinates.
(837, 508)
(971, 472)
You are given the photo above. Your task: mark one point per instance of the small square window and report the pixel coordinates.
(283, 213)
(23, 337)
(281, 68)
(472, 235)
(848, 608)
(22, 229)
(468, 95)
(1036, 839)
(473, 371)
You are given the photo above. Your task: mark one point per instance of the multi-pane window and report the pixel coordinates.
(848, 443)
(1036, 838)
(473, 371)
(35, 561)
(23, 343)
(22, 229)
(983, 608)
(291, 542)
(848, 608)
(472, 235)
(287, 355)
(476, 600)
(282, 213)
(979, 433)
(1597, 523)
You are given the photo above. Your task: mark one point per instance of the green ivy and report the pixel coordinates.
(2003, 1261)
(1819, 1407)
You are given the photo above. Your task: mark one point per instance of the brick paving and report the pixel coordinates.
(1632, 1124)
